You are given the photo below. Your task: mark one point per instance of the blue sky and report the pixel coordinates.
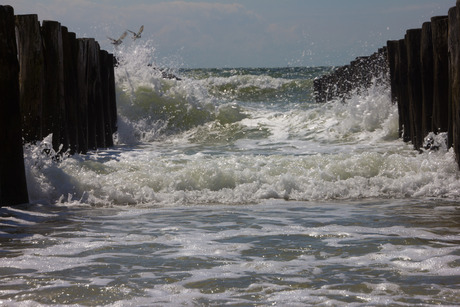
(250, 33)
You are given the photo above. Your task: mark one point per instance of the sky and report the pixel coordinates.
(249, 33)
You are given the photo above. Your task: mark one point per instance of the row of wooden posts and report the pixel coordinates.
(359, 74)
(425, 80)
(51, 82)
(423, 69)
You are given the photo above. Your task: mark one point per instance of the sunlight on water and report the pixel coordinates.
(233, 187)
(374, 252)
(240, 152)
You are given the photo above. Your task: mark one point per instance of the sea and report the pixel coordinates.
(233, 187)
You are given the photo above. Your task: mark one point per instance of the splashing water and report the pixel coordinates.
(232, 186)
(181, 142)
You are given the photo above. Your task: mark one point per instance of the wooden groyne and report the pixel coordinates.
(65, 87)
(50, 83)
(359, 74)
(423, 71)
(13, 187)
(425, 83)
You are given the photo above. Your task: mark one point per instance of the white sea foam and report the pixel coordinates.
(332, 151)
(147, 177)
(275, 253)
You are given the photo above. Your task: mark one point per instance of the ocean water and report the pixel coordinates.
(233, 187)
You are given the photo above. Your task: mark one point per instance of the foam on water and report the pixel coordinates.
(333, 151)
(232, 187)
(278, 253)
(150, 178)
(204, 150)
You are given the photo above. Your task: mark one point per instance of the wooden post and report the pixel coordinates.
(317, 89)
(54, 102)
(80, 130)
(413, 39)
(439, 29)
(82, 79)
(31, 75)
(13, 186)
(454, 77)
(99, 100)
(392, 47)
(403, 91)
(383, 69)
(91, 81)
(71, 88)
(112, 94)
(96, 132)
(394, 62)
(105, 77)
(426, 56)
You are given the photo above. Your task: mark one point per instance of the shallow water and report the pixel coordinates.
(374, 252)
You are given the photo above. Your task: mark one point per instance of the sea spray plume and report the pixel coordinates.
(45, 179)
(369, 116)
(138, 34)
(151, 106)
(435, 141)
(117, 42)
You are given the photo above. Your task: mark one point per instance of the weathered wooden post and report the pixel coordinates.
(413, 39)
(383, 69)
(82, 79)
(439, 29)
(365, 72)
(426, 56)
(355, 74)
(105, 77)
(54, 101)
(394, 63)
(70, 88)
(31, 75)
(13, 186)
(392, 47)
(112, 95)
(454, 78)
(96, 132)
(317, 89)
(404, 92)
(99, 103)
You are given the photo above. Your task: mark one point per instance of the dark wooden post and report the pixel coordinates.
(13, 186)
(426, 56)
(394, 63)
(403, 91)
(79, 100)
(96, 132)
(319, 90)
(454, 77)
(105, 79)
(31, 75)
(99, 100)
(54, 102)
(82, 71)
(439, 29)
(71, 88)
(384, 69)
(112, 94)
(392, 47)
(413, 39)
